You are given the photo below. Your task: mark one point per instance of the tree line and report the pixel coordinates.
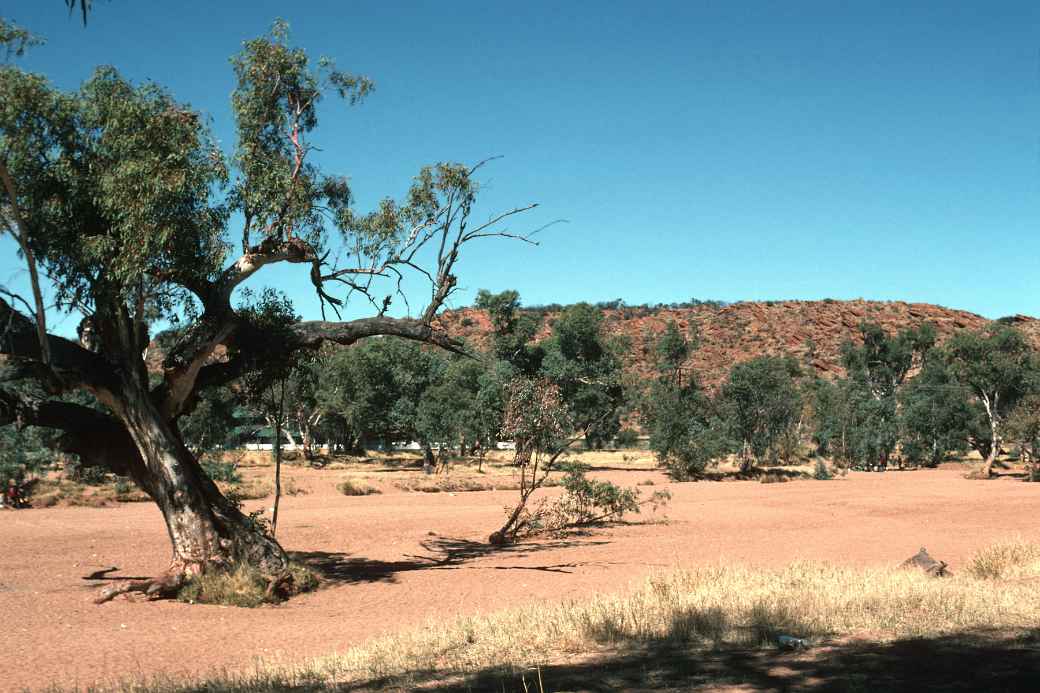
(978, 391)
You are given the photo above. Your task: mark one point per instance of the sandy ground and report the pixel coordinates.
(400, 558)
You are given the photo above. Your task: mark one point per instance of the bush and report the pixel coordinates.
(1007, 561)
(586, 501)
(701, 446)
(821, 472)
(626, 438)
(252, 490)
(219, 470)
(356, 488)
(245, 586)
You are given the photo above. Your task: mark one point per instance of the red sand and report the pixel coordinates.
(401, 558)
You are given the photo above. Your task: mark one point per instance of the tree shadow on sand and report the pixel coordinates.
(443, 553)
(964, 662)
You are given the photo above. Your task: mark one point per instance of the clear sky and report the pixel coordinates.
(726, 150)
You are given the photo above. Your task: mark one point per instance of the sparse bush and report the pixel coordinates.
(291, 488)
(246, 586)
(1009, 560)
(250, 490)
(219, 470)
(91, 476)
(821, 472)
(586, 500)
(350, 487)
(773, 478)
(626, 438)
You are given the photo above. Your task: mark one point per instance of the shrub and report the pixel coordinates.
(356, 488)
(1007, 561)
(821, 472)
(586, 501)
(219, 470)
(291, 488)
(252, 490)
(626, 438)
(243, 585)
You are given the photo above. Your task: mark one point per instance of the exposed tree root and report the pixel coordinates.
(165, 586)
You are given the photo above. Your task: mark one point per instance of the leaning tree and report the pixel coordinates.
(123, 199)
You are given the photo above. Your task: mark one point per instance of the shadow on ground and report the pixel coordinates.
(964, 662)
(442, 553)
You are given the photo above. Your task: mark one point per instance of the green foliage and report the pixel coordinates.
(882, 363)
(219, 470)
(513, 331)
(114, 181)
(936, 414)
(1023, 427)
(857, 419)
(759, 404)
(24, 452)
(277, 93)
(671, 351)
(587, 369)
(998, 366)
(14, 40)
(218, 421)
(535, 418)
(626, 438)
(685, 434)
(375, 390)
(587, 501)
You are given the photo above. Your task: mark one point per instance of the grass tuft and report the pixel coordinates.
(350, 487)
(1010, 560)
(245, 586)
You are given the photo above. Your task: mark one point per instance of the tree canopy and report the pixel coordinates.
(122, 197)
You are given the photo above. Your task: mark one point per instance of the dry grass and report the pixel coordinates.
(1009, 560)
(248, 489)
(47, 493)
(461, 484)
(352, 487)
(244, 586)
(703, 608)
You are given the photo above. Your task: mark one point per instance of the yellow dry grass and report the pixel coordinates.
(706, 607)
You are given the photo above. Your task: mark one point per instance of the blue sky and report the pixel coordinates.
(726, 150)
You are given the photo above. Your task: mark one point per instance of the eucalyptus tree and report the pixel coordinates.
(760, 403)
(585, 364)
(936, 414)
(999, 368)
(876, 369)
(126, 202)
(685, 432)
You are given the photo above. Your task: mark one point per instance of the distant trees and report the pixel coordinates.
(999, 368)
(586, 366)
(936, 414)
(685, 433)
(900, 395)
(875, 371)
(760, 405)
(1023, 426)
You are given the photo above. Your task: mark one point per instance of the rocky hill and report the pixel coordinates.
(812, 331)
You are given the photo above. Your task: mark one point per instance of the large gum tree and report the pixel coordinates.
(121, 198)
